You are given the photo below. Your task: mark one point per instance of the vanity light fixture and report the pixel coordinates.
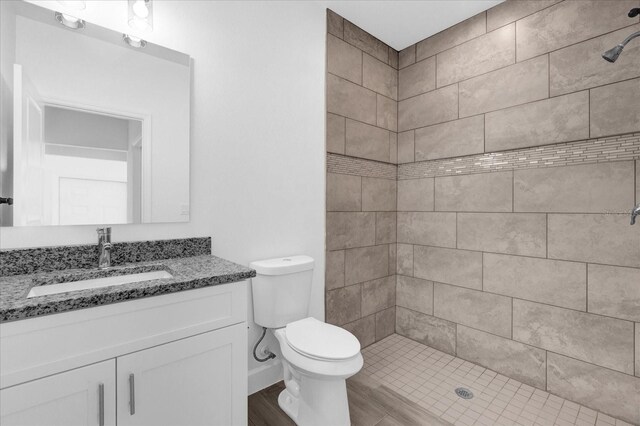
(73, 4)
(69, 21)
(133, 41)
(141, 15)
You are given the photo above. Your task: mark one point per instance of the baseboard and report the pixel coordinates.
(264, 376)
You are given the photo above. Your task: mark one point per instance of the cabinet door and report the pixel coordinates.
(200, 380)
(84, 396)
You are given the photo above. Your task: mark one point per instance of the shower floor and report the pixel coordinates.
(428, 378)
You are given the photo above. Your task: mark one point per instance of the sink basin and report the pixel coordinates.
(87, 284)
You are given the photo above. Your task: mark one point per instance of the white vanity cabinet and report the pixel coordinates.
(176, 359)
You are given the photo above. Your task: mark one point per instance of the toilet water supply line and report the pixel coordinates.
(270, 355)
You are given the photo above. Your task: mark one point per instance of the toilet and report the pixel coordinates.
(318, 357)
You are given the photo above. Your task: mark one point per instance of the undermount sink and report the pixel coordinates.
(69, 284)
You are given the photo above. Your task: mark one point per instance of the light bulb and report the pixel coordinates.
(140, 9)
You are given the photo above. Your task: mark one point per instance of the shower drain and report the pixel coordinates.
(464, 393)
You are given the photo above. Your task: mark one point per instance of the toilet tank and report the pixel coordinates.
(281, 290)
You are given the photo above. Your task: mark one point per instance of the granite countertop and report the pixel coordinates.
(188, 273)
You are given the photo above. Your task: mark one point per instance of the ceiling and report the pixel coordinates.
(404, 22)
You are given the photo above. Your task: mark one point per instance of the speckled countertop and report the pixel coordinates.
(188, 273)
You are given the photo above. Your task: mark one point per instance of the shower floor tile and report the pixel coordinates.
(428, 378)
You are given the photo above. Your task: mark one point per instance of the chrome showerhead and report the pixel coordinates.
(612, 54)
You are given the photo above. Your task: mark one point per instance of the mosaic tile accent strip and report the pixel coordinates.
(613, 148)
(429, 378)
(342, 164)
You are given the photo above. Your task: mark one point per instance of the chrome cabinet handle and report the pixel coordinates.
(101, 404)
(132, 394)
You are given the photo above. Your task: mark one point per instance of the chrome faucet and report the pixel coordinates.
(104, 247)
(635, 212)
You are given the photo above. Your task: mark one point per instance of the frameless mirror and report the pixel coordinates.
(94, 131)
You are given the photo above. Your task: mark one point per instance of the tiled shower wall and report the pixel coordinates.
(518, 148)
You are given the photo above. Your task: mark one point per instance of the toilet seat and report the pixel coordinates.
(318, 340)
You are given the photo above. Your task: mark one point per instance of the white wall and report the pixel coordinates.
(257, 132)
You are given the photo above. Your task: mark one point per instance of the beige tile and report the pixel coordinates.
(344, 192)
(452, 36)
(597, 238)
(450, 266)
(415, 195)
(416, 79)
(393, 57)
(452, 139)
(484, 192)
(385, 323)
(405, 147)
(511, 11)
(407, 56)
(405, 259)
(561, 119)
(563, 25)
(516, 360)
(366, 141)
(334, 277)
(415, 294)
(527, 81)
(385, 227)
(378, 194)
(483, 54)
(350, 100)
(379, 77)
(603, 341)
(364, 329)
(523, 234)
(427, 228)
(393, 258)
(553, 282)
(387, 114)
(484, 311)
(365, 41)
(599, 388)
(429, 108)
(581, 66)
(614, 291)
(344, 60)
(345, 230)
(335, 133)
(615, 108)
(426, 329)
(378, 295)
(637, 182)
(335, 23)
(638, 349)
(393, 147)
(366, 263)
(589, 188)
(343, 305)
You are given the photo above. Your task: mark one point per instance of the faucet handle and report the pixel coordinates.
(104, 230)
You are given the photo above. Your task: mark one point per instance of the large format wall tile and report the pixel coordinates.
(414, 294)
(427, 228)
(429, 108)
(364, 329)
(450, 266)
(483, 54)
(514, 233)
(379, 77)
(600, 388)
(387, 114)
(597, 238)
(451, 139)
(350, 100)
(366, 263)
(344, 60)
(527, 81)
(431, 331)
(615, 108)
(452, 36)
(365, 42)
(366, 141)
(385, 323)
(516, 360)
(607, 342)
(335, 133)
(343, 305)
(343, 192)
(405, 147)
(416, 79)
(484, 311)
(614, 291)
(385, 227)
(540, 280)
(404, 259)
(378, 194)
(638, 350)
(378, 295)
(415, 195)
(407, 56)
(549, 121)
(564, 24)
(589, 188)
(484, 192)
(345, 230)
(510, 11)
(334, 277)
(581, 66)
(637, 181)
(335, 23)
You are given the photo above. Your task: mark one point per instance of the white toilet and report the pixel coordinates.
(318, 357)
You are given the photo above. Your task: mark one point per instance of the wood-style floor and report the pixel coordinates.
(370, 404)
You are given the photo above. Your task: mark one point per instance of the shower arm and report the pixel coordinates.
(628, 39)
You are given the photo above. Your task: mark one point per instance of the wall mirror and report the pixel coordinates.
(94, 130)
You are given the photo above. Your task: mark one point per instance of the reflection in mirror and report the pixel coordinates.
(94, 131)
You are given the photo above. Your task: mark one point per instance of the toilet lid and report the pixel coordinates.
(321, 340)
